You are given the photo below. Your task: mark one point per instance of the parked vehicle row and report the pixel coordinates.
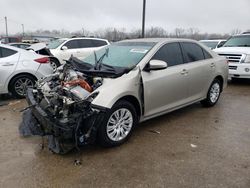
(102, 91)
(105, 95)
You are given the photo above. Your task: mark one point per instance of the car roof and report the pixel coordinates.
(246, 34)
(159, 40)
(91, 38)
(11, 47)
(19, 43)
(213, 40)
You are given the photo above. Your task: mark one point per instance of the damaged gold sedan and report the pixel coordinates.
(104, 96)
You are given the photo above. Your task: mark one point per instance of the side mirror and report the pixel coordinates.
(64, 48)
(156, 65)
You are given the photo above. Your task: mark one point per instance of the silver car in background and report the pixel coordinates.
(105, 95)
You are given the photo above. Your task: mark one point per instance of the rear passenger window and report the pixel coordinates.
(192, 52)
(98, 43)
(170, 53)
(5, 52)
(73, 44)
(86, 43)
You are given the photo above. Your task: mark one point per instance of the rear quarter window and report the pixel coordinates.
(5, 52)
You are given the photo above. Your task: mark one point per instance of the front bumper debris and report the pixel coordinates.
(63, 134)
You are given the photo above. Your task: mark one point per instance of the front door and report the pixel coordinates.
(166, 89)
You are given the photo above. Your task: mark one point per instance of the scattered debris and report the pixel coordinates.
(193, 145)
(77, 162)
(14, 103)
(154, 131)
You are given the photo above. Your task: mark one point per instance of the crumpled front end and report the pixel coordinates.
(60, 108)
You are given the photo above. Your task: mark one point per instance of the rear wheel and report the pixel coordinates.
(54, 63)
(213, 94)
(18, 85)
(118, 124)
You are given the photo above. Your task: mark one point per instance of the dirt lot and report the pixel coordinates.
(196, 147)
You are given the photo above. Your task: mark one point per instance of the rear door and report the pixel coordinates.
(8, 62)
(166, 89)
(87, 46)
(201, 69)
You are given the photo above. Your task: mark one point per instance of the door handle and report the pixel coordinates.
(184, 72)
(212, 65)
(8, 64)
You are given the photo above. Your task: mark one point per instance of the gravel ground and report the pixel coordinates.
(192, 147)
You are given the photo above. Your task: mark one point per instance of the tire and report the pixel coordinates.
(54, 63)
(109, 130)
(17, 89)
(213, 94)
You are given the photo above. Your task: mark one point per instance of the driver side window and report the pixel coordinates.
(170, 53)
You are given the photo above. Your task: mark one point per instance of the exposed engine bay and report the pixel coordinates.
(60, 108)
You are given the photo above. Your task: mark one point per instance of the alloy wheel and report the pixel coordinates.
(119, 124)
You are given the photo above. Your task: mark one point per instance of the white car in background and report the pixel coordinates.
(213, 44)
(81, 47)
(19, 69)
(237, 51)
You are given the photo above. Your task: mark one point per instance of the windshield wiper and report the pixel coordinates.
(98, 63)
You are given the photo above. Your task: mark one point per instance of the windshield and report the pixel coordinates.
(238, 41)
(120, 54)
(210, 44)
(55, 43)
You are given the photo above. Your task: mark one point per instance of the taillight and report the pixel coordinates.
(42, 60)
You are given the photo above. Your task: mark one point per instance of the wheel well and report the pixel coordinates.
(134, 102)
(35, 78)
(54, 58)
(220, 78)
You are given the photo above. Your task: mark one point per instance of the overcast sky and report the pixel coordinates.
(220, 16)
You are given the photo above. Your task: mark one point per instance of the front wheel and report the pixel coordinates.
(118, 124)
(213, 94)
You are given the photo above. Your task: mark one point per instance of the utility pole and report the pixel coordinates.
(23, 29)
(143, 19)
(6, 26)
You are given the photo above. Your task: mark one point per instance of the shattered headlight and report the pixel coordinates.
(91, 97)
